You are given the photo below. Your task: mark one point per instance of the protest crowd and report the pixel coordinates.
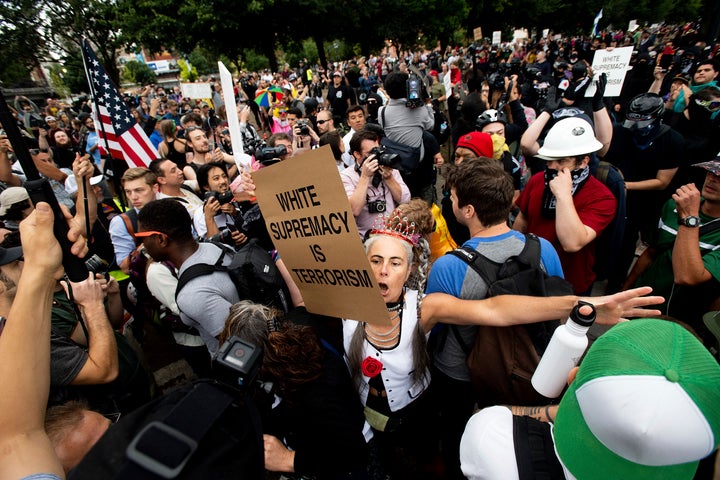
(497, 189)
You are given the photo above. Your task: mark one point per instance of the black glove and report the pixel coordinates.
(576, 90)
(553, 101)
(597, 101)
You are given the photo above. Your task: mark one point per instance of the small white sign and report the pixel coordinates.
(196, 90)
(546, 32)
(614, 63)
(496, 38)
(632, 25)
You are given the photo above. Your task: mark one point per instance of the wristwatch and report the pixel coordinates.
(690, 221)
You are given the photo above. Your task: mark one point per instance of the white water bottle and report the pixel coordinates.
(566, 346)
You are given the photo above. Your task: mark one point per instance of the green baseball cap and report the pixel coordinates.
(645, 404)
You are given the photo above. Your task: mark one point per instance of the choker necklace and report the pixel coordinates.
(394, 307)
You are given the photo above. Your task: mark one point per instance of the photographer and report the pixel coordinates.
(304, 137)
(404, 120)
(217, 217)
(370, 187)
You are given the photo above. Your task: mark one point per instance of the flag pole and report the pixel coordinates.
(116, 181)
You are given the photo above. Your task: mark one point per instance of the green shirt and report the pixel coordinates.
(660, 273)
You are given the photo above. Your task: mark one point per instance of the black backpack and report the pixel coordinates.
(253, 272)
(503, 359)
(203, 430)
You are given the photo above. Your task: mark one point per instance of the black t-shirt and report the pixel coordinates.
(636, 165)
(338, 98)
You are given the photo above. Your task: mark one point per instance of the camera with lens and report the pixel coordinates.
(224, 236)
(269, 155)
(414, 92)
(385, 158)
(362, 98)
(303, 126)
(96, 264)
(378, 206)
(222, 198)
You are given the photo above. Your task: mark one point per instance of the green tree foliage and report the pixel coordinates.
(199, 58)
(20, 43)
(188, 73)
(138, 72)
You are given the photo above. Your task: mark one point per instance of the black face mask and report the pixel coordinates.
(579, 177)
(698, 115)
(644, 137)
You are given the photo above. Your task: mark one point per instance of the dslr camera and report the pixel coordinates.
(303, 126)
(266, 155)
(377, 206)
(222, 198)
(385, 158)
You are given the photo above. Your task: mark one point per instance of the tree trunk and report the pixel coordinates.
(320, 45)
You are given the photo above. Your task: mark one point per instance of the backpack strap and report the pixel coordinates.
(535, 450)
(199, 270)
(483, 266)
(488, 270)
(162, 448)
(130, 218)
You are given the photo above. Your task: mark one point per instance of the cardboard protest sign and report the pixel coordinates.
(477, 33)
(308, 216)
(496, 37)
(615, 64)
(196, 90)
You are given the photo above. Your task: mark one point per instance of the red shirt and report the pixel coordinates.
(595, 205)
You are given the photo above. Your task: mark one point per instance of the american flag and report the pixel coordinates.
(125, 137)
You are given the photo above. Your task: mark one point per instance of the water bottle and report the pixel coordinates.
(566, 346)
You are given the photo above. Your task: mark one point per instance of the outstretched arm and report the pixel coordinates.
(507, 310)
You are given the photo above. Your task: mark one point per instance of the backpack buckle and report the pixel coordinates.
(161, 449)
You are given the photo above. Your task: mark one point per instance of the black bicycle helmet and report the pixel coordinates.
(490, 116)
(644, 110)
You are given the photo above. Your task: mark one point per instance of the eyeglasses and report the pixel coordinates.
(35, 151)
(149, 233)
(712, 105)
(321, 122)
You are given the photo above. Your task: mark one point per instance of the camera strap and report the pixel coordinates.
(384, 192)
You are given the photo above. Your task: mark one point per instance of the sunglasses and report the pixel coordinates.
(35, 151)
(321, 122)
(192, 129)
(149, 233)
(712, 105)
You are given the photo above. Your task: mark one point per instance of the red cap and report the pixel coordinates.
(480, 143)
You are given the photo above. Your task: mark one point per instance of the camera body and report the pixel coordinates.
(385, 158)
(377, 206)
(265, 154)
(222, 198)
(237, 363)
(302, 124)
